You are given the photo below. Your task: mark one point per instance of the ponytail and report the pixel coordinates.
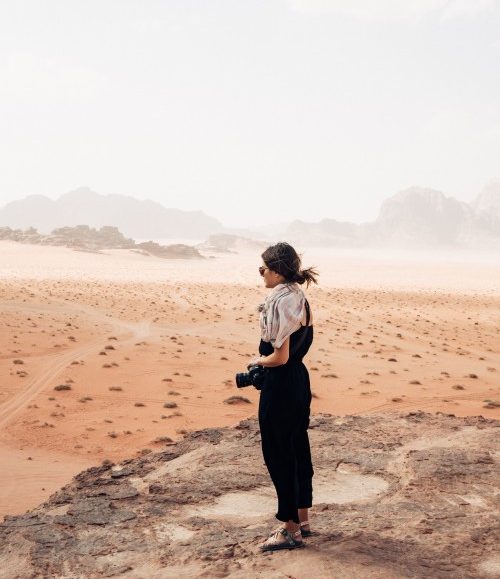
(306, 276)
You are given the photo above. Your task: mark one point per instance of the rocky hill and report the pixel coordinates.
(424, 216)
(135, 218)
(415, 217)
(85, 238)
(325, 233)
(395, 495)
(227, 243)
(487, 207)
(487, 203)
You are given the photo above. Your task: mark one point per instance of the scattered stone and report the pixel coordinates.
(237, 400)
(60, 387)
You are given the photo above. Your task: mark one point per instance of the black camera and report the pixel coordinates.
(254, 377)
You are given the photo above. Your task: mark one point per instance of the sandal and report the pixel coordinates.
(305, 532)
(275, 542)
(277, 530)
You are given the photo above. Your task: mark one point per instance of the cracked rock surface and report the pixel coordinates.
(395, 495)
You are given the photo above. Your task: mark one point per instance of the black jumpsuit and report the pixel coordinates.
(284, 409)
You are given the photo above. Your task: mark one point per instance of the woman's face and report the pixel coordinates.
(271, 278)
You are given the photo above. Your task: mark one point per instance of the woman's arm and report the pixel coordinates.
(277, 358)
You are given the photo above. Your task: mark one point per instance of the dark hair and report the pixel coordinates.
(282, 258)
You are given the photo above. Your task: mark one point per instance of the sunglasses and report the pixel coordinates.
(262, 269)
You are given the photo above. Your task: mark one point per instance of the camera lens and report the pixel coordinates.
(243, 379)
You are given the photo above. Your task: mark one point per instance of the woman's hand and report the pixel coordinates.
(254, 362)
(277, 358)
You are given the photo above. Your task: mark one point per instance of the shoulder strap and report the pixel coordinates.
(304, 331)
(308, 313)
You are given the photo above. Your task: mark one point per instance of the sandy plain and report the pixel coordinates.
(114, 354)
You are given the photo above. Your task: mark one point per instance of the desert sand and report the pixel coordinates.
(110, 355)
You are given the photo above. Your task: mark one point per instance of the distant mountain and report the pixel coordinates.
(326, 232)
(424, 217)
(415, 217)
(488, 201)
(135, 218)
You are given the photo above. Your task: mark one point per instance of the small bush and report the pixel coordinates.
(237, 400)
(60, 387)
(85, 399)
(164, 439)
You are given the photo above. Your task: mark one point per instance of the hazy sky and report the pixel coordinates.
(255, 111)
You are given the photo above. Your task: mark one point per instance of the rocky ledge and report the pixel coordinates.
(85, 238)
(400, 495)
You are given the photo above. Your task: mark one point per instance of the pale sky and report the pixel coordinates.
(254, 111)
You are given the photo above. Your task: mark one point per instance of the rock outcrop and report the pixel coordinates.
(487, 203)
(398, 495)
(81, 236)
(325, 233)
(413, 218)
(229, 243)
(85, 238)
(175, 251)
(424, 217)
(487, 208)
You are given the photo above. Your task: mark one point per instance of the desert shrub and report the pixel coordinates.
(62, 387)
(237, 400)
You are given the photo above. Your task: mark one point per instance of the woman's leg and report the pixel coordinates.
(280, 458)
(303, 515)
(305, 470)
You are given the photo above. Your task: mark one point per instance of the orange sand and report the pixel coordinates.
(149, 348)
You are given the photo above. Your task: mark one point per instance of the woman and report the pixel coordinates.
(285, 397)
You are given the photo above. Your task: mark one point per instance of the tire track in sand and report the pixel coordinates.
(59, 362)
